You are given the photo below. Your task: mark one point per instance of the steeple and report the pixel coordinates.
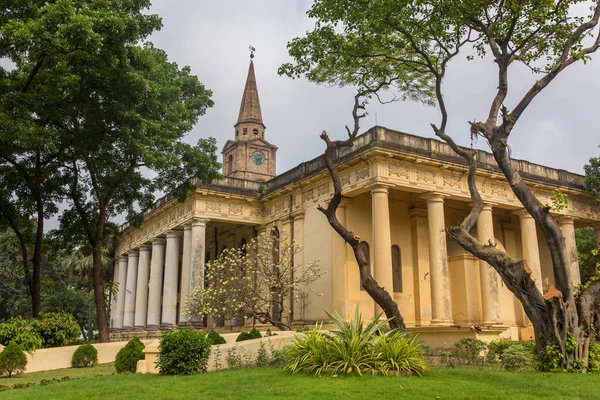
(250, 107)
(250, 124)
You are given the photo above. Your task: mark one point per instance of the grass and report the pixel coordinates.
(73, 373)
(264, 383)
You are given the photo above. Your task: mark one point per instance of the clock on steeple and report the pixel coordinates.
(249, 156)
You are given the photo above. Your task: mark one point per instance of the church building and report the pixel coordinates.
(400, 192)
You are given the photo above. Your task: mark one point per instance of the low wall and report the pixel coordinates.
(248, 347)
(60, 357)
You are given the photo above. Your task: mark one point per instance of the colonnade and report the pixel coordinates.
(150, 284)
(438, 270)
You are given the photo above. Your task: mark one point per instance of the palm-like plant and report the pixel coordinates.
(356, 347)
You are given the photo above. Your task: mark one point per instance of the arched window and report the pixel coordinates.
(397, 269)
(275, 236)
(255, 131)
(366, 250)
(245, 131)
(243, 246)
(237, 132)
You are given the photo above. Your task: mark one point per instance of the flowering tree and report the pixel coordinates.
(259, 280)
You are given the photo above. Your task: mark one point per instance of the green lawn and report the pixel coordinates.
(266, 383)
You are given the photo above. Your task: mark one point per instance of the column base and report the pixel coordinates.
(435, 322)
(127, 328)
(115, 330)
(167, 327)
(152, 327)
(139, 328)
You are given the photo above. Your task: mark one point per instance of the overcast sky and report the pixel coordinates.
(560, 129)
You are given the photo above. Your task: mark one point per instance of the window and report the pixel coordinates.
(255, 131)
(276, 304)
(245, 131)
(237, 132)
(396, 269)
(366, 250)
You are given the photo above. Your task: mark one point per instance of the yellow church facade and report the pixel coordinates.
(401, 191)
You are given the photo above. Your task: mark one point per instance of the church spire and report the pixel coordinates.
(250, 112)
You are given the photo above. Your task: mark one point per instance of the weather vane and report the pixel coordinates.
(252, 50)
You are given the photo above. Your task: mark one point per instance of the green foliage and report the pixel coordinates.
(12, 360)
(559, 201)
(594, 358)
(518, 357)
(56, 329)
(587, 253)
(251, 334)
(498, 347)
(127, 358)
(18, 331)
(183, 352)
(592, 177)
(469, 351)
(85, 356)
(549, 360)
(215, 338)
(355, 348)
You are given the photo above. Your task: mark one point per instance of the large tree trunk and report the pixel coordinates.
(36, 292)
(103, 334)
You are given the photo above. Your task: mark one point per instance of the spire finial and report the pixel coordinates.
(252, 50)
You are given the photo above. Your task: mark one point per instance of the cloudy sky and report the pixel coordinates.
(560, 129)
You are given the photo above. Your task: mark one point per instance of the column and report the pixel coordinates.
(382, 240)
(339, 270)
(141, 296)
(185, 272)
(567, 226)
(299, 261)
(132, 264)
(529, 243)
(422, 275)
(156, 283)
(121, 282)
(197, 260)
(441, 311)
(487, 275)
(169, 304)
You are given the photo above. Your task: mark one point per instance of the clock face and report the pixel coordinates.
(258, 157)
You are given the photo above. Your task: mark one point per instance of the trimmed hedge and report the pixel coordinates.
(183, 352)
(12, 360)
(128, 356)
(85, 356)
(215, 338)
(56, 329)
(252, 334)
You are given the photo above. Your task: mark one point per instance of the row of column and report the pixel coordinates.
(148, 279)
(441, 308)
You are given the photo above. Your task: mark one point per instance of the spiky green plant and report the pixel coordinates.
(401, 353)
(310, 351)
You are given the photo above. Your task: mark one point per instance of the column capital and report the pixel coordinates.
(380, 188)
(173, 234)
(299, 214)
(123, 258)
(146, 247)
(487, 205)
(596, 226)
(133, 253)
(158, 241)
(566, 219)
(522, 213)
(434, 197)
(199, 222)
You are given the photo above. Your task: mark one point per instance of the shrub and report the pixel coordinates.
(215, 338)
(517, 358)
(85, 356)
(57, 329)
(12, 360)
(252, 334)
(497, 348)
(183, 352)
(594, 359)
(400, 353)
(468, 351)
(549, 360)
(355, 348)
(128, 356)
(17, 330)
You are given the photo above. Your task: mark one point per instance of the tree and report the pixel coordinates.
(374, 45)
(259, 280)
(113, 112)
